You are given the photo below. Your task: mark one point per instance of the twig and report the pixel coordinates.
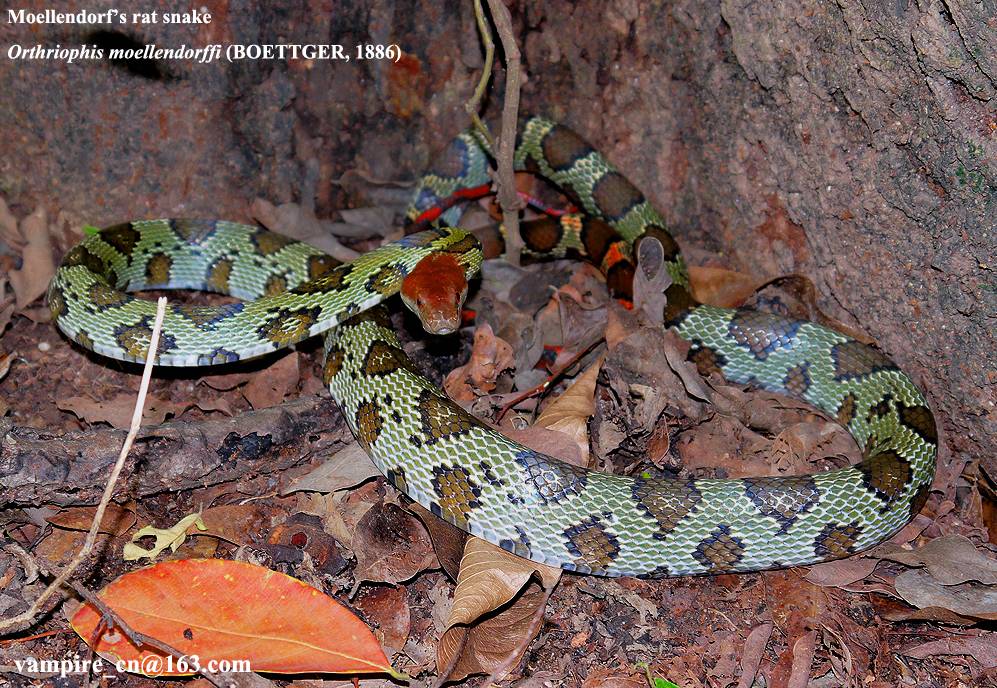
(111, 620)
(551, 378)
(486, 73)
(508, 198)
(27, 617)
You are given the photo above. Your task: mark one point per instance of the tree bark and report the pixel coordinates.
(852, 142)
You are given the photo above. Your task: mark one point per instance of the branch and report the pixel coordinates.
(509, 200)
(28, 616)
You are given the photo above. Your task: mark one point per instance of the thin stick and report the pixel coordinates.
(508, 198)
(550, 379)
(112, 620)
(486, 73)
(60, 580)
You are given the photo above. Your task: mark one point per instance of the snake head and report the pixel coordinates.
(435, 290)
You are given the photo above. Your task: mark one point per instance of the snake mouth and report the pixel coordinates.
(439, 325)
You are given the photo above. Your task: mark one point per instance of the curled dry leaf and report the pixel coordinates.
(982, 648)
(490, 357)
(229, 610)
(489, 579)
(570, 412)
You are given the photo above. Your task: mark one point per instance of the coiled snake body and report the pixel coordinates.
(467, 473)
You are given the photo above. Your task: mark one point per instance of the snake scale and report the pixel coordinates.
(457, 466)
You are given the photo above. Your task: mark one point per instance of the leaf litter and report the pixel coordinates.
(842, 623)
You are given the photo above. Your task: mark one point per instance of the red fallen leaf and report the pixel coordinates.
(228, 610)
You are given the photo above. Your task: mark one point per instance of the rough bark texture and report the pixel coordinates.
(39, 468)
(851, 142)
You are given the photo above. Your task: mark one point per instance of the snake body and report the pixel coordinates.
(471, 475)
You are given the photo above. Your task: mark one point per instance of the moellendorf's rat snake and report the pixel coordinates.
(467, 473)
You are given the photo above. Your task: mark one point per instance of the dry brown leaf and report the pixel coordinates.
(722, 287)
(970, 600)
(5, 361)
(950, 559)
(570, 412)
(37, 261)
(118, 410)
(235, 523)
(650, 282)
(116, 521)
(269, 387)
(387, 609)
(448, 540)
(751, 655)
(490, 357)
(489, 579)
(227, 381)
(346, 468)
(841, 572)
(391, 546)
(982, 648)
(601, 677)
(5, 314)
(9, 233)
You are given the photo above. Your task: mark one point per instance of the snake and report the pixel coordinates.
(461, 468)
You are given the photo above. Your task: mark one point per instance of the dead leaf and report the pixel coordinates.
(37, 262)
(117, 411)
(448, 541)
(489, 579)
(651, 281)
(391, 546)
(751, 655)
(950, 559)
(9, 233)
(171, 537)
(971, 600)
(5, 314)
(5, 361)
(841, 572)
(982, 648)
(722, 287)
(269, 387)
(235, 523)
(227, 381)
(387, 608)
(490, 357)
(346, 468)
(218, 609)
(570, 412)
(116, 521)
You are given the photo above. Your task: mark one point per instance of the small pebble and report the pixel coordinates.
(44, 347)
